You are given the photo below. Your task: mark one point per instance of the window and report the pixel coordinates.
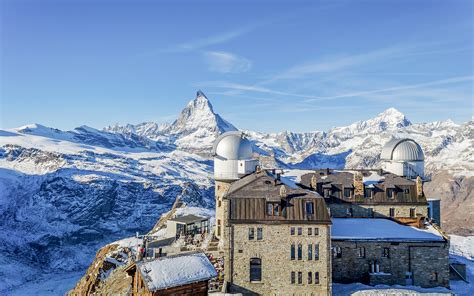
(251, 233)
(292, 252)
(269, 209)
(374, 267)
(412, 213)
(316, 278)
(406, 191)
(327, 193)
(219, 203)
(293, 277)
(337, 252)
(316, 252)
(300, 277)
(259, 233)
(370, 212)
(309, 208)
(368, 193)
(310, 231)
(386, 252)
(434, 277)
(255, 269)
(300, 252)
(300, 231)
(392, 212)
(310, 252)
(273, 209)
(316, 231)
(361, 253)
(310, 277)
(292, 231)
(349, 212)
(347, 192)
(218, 227)
(390, 193)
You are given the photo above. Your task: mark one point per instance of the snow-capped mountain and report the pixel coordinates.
(195, 129)
(63, 193)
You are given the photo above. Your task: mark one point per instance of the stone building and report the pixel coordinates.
(381, 251)
(368, 193)
(276, 235)
(276, 228)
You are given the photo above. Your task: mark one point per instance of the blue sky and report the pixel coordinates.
(267, 66)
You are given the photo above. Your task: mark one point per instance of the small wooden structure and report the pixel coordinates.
(184, 274)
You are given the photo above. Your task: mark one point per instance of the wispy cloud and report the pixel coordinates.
(226, 62)
(334, 63)
(314, 98)
(452, 80)
(202, 43)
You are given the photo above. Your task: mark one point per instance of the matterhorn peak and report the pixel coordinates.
(199, 115)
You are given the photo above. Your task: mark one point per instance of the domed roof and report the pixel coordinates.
(232, 146)
(402, 150)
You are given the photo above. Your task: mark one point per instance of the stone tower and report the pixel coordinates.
(232, 160)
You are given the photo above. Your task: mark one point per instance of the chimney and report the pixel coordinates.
(283, 192)
(358, 184)
(314, 182)
(419, 187)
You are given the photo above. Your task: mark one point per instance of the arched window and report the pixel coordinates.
(255, 269)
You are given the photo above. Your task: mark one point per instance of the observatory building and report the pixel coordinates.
(233, 159)
(404, 157)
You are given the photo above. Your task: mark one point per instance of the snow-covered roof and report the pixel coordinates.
(176, 271)
(379, 229)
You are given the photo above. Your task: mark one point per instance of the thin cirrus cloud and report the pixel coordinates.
(226, 62)
(312, 98)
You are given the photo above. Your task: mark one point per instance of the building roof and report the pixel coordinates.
(402, 150)
(174, 271)
(232, 146)
(249, 195)
(369, 229)
(189, 219)
(161, 243)
(376, 180)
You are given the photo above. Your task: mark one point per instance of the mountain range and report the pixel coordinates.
(65, 193)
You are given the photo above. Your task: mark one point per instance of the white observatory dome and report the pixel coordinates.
(402, 150)
(233, 157)
(403, 157)
(232, 146)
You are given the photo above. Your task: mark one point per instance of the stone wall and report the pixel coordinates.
(220, 189)
(274, 251)
(380, 211)
(428, 262)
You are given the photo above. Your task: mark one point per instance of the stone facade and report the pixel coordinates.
(220, 190)
(274, 250)
(339, 210)
(428, 263)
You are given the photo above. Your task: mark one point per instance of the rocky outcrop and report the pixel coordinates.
(457, 201)
(103, 277)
